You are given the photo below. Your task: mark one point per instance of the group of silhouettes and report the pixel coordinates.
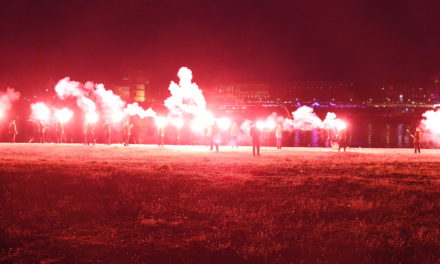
(89, 137)
(212, 133)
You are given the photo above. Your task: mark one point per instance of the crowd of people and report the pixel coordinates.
(213, 135)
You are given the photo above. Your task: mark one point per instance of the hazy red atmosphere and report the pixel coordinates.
(302, 131)
(221, 40)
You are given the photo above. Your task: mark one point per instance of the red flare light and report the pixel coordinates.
(340, 125)
(63, 115)
(161, 122)
(260, 125)
(91, 117)
(224, 123)
(40, 112)
(178, 123)
(117, 117)
(431, 121)
(270, 124)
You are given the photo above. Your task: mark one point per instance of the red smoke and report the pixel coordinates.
(6, 99)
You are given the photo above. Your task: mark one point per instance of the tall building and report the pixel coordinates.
(133, 88)
(244, 92)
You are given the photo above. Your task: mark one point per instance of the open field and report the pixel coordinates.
(114, 204)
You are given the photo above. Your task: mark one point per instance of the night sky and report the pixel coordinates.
(221, 41)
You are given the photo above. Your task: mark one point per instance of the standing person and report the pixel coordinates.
(416, 139)
(41, 129)
(328, 141)
(85, 130)
(92, 134)
(126, 128)
(216, 137)
(135, 134)
(161, 134)
(256, 139)
(107, 132)
(279, 136)
(13, 130)
(59, 131)
(209, 137)
(342, 139)
(234, 135)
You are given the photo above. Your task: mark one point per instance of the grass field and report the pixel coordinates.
(144, 204)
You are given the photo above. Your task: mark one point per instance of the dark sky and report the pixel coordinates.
(370, 40)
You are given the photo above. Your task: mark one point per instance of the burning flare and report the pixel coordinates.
(63, 115)
(91, 117)
(161, 121)
(40, 112)
(224, 123)
(431, 121)
(177, 122)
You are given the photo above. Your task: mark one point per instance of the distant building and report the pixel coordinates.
(244, 92)
(133, 88)
(404, 93)
(324, 91)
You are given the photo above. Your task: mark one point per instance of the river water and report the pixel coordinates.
(363, 131)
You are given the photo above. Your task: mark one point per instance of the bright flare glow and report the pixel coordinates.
(340, 125)
(260, 125)
(177, 122)
(431, 121)
(161, 121)
(117, 117)
(91, 117)
(202, 121)
(270, 124)
(40, 112)
(63, 115)
(197, 125)
(224, 123)
(206, 119)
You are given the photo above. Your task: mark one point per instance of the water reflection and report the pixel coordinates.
(315, 138)
(400, 136)
(370, 133)
(388, 135)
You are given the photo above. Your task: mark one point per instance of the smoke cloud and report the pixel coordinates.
(186, 97)
(6, 100)
(431, 126)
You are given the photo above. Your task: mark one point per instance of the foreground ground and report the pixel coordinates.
(113, 204)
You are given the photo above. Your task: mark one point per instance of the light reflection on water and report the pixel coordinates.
(362, 134)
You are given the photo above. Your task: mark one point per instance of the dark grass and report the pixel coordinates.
(84, 204)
